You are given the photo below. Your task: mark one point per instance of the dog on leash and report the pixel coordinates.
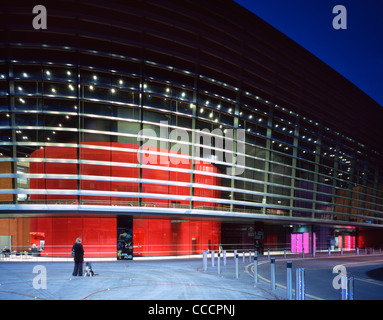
(88, 270)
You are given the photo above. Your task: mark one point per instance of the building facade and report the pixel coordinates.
(169, 127)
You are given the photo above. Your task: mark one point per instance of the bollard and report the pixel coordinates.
(224, 257)
(300, 284)
(351, 288)
(289, 283)
(341, 251)
(272, 271)
(284, 254)
(243, 256)
(219, 263)
(235, 254)
(347, 288)
(255, 269)
(357, 251)
(212, 258)
(204, 260)
(249, 255)
(268, 254)
(236, 266)
(329, 252)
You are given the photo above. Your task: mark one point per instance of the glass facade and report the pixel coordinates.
(74, 135)
(182, 120)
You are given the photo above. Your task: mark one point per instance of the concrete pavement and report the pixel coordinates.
(178, 279)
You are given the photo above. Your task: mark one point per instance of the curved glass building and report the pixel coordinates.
(169, 127)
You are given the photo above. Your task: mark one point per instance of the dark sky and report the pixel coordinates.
(356, 53)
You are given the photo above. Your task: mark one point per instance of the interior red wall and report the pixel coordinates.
(156, 237)
(98, 235)
(115, 171)
(150, 236)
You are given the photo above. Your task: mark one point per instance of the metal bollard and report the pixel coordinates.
(219, 263)
(204, 260)
(255, 269)
(347, 288)
(284, 253)
(235, 254)
(236, 266)
(268, 254)
(289, 283)
(224, 257)
(243, 256)
(329, 251)
(249, 255)
(357, 251)
(300, 284)
(212, 258)
(272, 271)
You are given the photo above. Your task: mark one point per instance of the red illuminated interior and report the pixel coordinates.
(150, 236)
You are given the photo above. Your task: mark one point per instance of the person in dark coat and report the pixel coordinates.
(78, 251)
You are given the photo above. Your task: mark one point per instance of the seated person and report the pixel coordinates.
(6, 252)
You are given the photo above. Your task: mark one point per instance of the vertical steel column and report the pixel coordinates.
(272, 271)
(255, 269)
(300, 284)
(204, 260)
(289, 282)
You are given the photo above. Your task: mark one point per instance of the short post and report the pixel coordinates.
(284, 253)
(212, 258)
(289, 283)
(272, 265)
(300, 284)
(357, 251)
(219, 263)
(249, 255)
(243, 256)
(204, 259)
(224, 257)
(329, 252)
(236, 266)
(351, 288)
(268, 254)
(255, 269)
(235, 255)
(347, 288)
(341, 251)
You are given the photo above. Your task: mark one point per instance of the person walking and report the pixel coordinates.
(78, 255)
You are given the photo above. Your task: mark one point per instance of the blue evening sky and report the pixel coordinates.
(356, 53)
